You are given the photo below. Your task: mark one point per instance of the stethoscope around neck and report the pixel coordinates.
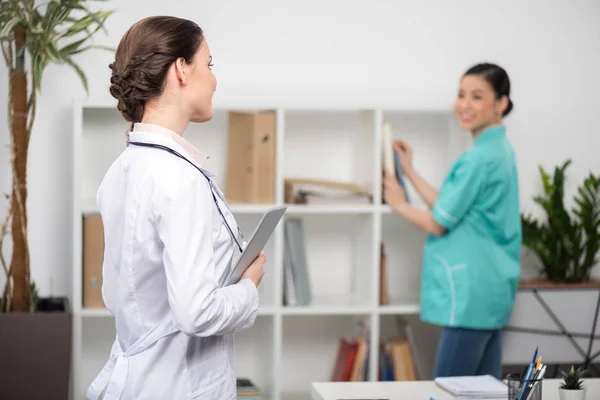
(212, 188)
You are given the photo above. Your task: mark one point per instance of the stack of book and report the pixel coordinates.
(247, 390)
(320, 191)
(473, 387)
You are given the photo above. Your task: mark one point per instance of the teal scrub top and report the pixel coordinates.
(471, 273)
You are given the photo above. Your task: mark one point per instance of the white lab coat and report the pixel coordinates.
(167, 251)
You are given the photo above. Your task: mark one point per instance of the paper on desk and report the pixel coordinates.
(468, 387)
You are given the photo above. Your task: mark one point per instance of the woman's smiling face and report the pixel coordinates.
(476, 105)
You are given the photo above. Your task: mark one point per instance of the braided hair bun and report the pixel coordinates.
(143, 57)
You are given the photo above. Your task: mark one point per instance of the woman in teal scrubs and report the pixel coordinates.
(471, 260)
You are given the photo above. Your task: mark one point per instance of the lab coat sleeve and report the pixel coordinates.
(460, 190)
(200, 306)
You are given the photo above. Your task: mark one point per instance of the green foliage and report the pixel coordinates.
(572, 380)
(567, 244)
(55, 31)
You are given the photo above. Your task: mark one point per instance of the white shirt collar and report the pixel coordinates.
(196, 154)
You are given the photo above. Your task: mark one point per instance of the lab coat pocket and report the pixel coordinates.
(209, 378)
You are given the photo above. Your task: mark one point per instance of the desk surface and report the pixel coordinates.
(419, 390)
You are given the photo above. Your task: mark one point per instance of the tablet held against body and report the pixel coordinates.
(257, 243)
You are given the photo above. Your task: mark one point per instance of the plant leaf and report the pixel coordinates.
(72, 48)
(8, 28)
(101, 47)
(53, 53)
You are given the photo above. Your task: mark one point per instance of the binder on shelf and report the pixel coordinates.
(297, 289)
(92, 258)
(250, 176)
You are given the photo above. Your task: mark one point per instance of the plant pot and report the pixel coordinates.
(567, 394)
(36, 352)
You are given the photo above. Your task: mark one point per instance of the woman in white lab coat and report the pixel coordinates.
(169, 235)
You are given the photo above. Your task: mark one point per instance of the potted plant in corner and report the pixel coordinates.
(572, 386)
(567, 244)
(35, 333)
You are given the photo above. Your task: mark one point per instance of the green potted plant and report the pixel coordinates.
(37, 341)
(567, 243)
(572, 386)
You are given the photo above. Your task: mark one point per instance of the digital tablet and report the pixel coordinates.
(257, 243)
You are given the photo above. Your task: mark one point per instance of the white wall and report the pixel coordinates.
(270, 48)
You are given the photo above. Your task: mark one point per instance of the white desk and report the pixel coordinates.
(419, 390)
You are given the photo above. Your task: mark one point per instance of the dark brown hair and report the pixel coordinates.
(143, 58)
(497, 77)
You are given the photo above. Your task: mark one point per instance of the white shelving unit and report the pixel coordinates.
(290, 347)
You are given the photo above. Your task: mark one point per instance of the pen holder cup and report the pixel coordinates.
(524, 389)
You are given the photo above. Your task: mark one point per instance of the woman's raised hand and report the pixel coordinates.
(404, 152)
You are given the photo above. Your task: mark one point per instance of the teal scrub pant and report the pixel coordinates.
(469, 352)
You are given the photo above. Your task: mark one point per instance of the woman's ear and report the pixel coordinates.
(181, 71)
(501, 105)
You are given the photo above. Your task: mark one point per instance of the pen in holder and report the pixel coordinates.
(520, 388)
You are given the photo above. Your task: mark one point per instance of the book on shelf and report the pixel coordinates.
(296, 287)
(352, 359)
(396, 360)
(397, 355)
(391, 161)
(383, 291)
(322, 191)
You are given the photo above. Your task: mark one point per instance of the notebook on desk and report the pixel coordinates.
(473, 387)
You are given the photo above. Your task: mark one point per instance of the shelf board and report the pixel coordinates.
(296, 395)
(89, 206)
(240, 208)
(385, 209)
(330, 305)
(267, 309)
(400, 306)
(95, 313)
(298, 209)
(104, 313)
